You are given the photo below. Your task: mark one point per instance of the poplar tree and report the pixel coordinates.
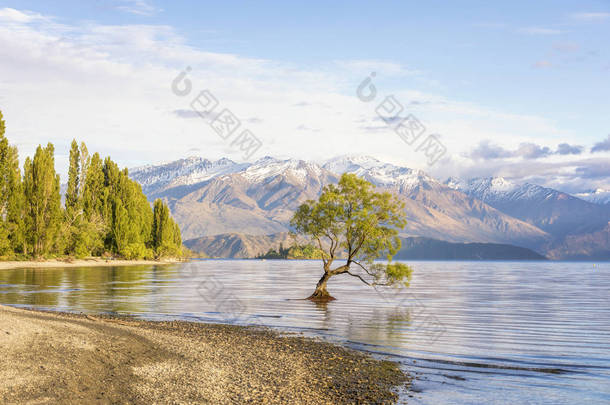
(42, 202)
(160, 230)
(72, 193)
(85, 160)
(5, 244)
(166, 238)
(82, 235)
(105, 211)
(94, 188)
(11, 197)
(15, 204)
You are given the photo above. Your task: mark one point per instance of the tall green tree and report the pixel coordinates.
(15, 209)
(166, 238)
(354, 221)
(5, 245)
(11, 197)
(85, 160)
(82, 235)
(121, 230)
(105, 211)
(43, 212)
(93, 190)
(74, 175)
(72, 213)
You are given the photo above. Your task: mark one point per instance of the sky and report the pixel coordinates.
(513, 89)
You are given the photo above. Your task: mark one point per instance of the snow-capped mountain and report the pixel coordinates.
(183, 172)
(599, 196)
(499, 189)
(220, 197)
(550, 210)
(351, 163)
(379, 173)
(259, 198)
(269, 167)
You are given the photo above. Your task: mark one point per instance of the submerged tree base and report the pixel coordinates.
(321, 296)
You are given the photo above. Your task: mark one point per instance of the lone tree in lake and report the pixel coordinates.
(361, 225)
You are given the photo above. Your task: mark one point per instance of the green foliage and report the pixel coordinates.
(106, 213)
(93, 194)
(138, 251)
(396, 274)
(42, 203)
(166, 238)
(307, 251)
(296, 251)
(11, 197)
(352, 220)
(72, 194)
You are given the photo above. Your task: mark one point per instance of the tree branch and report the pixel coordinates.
(322, 250)
(363, 268)
(363, 238)
(358, 276)
(382, 284)
(340, 270)
(334, 248)
(332, 244)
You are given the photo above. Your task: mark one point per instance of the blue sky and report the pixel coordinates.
(499, 82)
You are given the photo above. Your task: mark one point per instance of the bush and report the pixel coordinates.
(137, 251)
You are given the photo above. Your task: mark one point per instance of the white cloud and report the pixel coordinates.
(16, 16)
(539, 31)
(138, 7)
(381, 67)
(110, 85)
(591, 16)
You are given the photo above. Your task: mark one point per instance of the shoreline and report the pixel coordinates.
(75, 358)
(90, 262)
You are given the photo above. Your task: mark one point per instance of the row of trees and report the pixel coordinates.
(105, 212)
(296, 251)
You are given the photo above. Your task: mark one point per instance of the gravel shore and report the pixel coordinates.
(69, 359)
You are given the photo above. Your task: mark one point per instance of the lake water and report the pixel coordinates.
(470, 332)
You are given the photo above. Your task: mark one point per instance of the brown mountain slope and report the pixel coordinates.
(261, 200)
(250, 202)
(238, 246)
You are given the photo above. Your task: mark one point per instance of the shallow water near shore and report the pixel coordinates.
(470, 332)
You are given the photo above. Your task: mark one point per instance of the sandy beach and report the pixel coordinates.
(65, 358)
(91, 262)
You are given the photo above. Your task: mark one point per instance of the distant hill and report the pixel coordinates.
(431, 249)
(239, 246)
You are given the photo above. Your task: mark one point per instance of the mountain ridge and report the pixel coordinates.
(220, 197)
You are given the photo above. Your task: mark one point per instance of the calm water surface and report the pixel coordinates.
(471, 332)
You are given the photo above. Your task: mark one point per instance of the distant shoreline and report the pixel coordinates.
(91, 262)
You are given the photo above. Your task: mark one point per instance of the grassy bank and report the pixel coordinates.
(64, 358)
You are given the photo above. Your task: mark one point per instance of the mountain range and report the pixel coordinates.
(211, 198)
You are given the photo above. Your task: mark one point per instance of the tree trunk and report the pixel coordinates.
(321, 294)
